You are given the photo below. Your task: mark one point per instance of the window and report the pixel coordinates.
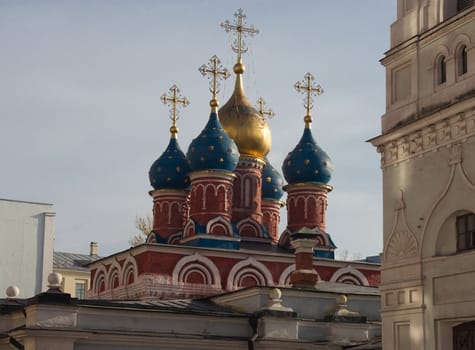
(464, 336)
(465, 231)
(462, 60)
(80, 289)
(441, 70)
(463, 4)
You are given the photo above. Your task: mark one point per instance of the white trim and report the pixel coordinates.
(284, 279)
(219, 221)
(258, 266)
(350, 270)
(129, 264)
(195, 260)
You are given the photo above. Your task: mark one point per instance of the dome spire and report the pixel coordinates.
(240, 29)
(176, 101)
(214, 70)
(309, 89)
(264, 112)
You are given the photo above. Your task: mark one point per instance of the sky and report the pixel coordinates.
(82, 121)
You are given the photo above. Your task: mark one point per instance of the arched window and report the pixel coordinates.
(462, 63)
(441, 70)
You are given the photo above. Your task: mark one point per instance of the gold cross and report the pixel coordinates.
(175, 100)
(239, 26)
(269, 113)
(215, 70)
(310, 90)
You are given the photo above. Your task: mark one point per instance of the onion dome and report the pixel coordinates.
(170, 171)
(213, 148)
(246, 126)
(272, 182)
(307, 162)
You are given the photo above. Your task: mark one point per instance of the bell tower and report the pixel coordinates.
(427, 148)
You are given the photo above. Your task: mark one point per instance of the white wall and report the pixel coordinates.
(26, 245)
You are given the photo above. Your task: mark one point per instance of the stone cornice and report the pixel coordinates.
(451, 125)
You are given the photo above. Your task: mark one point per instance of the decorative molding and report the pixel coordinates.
(196, 262)
(401, 246)
(246, 267)
(455, 129)
(457, 170)
(284, 279)
(219, 223)
(349, 273)
(402, 243)
(129, 266)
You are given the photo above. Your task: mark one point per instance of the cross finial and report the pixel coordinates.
(214, 70)
(176, 101)
(309, 89)
(239, 26)
(269, 113)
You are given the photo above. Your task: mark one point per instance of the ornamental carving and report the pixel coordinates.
(402, 245)
(454, 129)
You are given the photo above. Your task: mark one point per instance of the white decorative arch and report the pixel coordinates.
(249, 222)
(259, 267)
(151, 238)
(129, 266)
(99, 277)
(189, 229)
(350, 270)
(219, 221)
(439, 213)
(114, 271)
(196, 262)
(175, 238)
(284, 279)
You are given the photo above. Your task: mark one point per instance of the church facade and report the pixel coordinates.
(217, 208)
(427, 146)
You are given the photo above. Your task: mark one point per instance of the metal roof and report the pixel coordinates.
(73, 261)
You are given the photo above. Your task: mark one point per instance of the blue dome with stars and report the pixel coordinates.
(213, 148)
(170, 171)
(272, 182)
(307, 162)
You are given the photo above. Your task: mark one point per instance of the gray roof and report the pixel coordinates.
(196, 306)
(73, 261)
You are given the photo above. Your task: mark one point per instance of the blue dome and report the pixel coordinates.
(213, 148)
(170, 171)
(307, 162)
(272, 182)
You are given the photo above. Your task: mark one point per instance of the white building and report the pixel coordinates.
(26, 249)
(427, 151)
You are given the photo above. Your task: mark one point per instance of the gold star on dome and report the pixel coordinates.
(309, 89)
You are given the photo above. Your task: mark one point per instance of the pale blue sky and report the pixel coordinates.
(81, 119)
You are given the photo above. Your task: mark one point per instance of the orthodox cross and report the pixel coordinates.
(308, 87)
(214, 70)
(175, 100)
(269, 113)
(239, 26)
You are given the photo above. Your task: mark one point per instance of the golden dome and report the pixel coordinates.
(243, 123)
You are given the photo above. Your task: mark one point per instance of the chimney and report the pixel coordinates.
(303, 241)
(93, 248)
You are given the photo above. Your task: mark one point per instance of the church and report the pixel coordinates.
(217, 273)
(216, 209)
